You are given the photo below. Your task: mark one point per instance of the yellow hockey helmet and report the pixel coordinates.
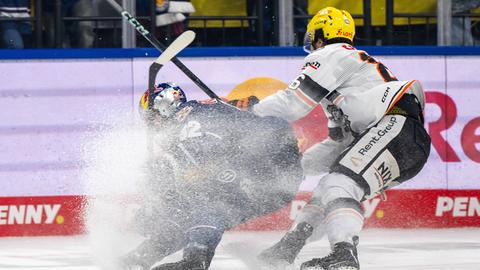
(329, 23)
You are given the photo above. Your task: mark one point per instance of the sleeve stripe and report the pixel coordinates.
(305, 98)
(333, 96)
(337, 100)
(400, 93)
(312, 89)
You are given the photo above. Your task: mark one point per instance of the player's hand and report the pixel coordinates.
(245, 103)
(340, 133)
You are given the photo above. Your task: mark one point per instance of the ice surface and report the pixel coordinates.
(425, 249)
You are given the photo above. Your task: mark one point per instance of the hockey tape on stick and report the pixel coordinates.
(177, 45)
(151, 38)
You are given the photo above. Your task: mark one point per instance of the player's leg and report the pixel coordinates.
(199, 250)
(308, 224)
(156, 247)
(311, 225)
(390, 153)
(163, 223)
(206, 221)
(343, 221)
(256, 190)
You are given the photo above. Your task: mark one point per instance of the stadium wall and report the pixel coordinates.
(53, 102)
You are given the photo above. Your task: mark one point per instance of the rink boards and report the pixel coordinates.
(63, 215)
(52, 108)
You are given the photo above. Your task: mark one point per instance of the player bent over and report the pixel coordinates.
(376, 137)
(216, 168)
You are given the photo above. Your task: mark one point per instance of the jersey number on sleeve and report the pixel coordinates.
(385, 73)
(190, 130)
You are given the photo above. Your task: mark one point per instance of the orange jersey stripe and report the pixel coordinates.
(305, 98)
(405, 88)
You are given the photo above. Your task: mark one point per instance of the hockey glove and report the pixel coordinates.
(338, 125)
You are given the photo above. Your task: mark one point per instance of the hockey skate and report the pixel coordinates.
(283, 253)
(195, 257)
(182, 265)
(343, 257)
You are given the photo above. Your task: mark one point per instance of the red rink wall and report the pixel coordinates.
(63, 215)
(44, 123)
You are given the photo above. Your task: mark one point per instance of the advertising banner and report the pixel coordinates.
(65, 215)
(36, 216)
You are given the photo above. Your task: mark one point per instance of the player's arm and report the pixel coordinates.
(284, 104)
(244, 104)
(321, 75)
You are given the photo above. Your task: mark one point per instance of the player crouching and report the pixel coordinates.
(214, 168)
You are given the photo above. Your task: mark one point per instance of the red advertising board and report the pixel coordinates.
(63, 215)
(35, 216)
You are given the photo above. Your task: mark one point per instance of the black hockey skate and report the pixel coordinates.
(182, 265)
(286, 250)
(343, 257)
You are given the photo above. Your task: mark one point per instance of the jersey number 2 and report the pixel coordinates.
(190, 130)
(385, 73)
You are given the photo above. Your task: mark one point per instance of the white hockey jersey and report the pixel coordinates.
(338, 76)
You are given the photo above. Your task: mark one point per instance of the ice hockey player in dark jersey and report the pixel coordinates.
(214, 167)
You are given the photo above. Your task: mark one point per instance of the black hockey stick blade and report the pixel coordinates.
(152, 75)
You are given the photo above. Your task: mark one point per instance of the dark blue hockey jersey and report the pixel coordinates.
(219, 149)
(221, 136)
(224, 164)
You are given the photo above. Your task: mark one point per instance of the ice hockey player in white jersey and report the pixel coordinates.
(376, 137)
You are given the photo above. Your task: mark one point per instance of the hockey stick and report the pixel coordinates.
(151, 38)
(170, 52)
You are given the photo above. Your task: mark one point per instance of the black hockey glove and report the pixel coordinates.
(338, 125)
(244, 104)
